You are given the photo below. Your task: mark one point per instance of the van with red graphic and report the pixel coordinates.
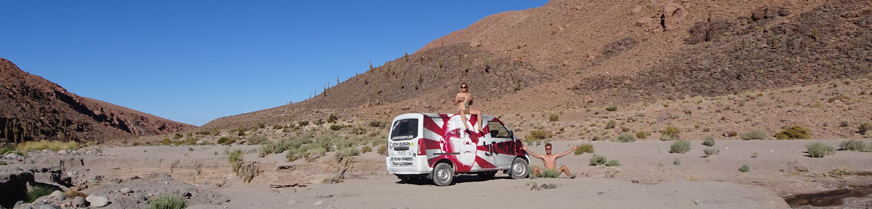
(437, 147)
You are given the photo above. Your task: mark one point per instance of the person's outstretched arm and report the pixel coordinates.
(531, 153)
(568, 151)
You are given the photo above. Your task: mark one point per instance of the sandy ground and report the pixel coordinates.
(647, 178)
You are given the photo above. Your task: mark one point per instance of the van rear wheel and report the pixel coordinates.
(443, 174)
(520, 169)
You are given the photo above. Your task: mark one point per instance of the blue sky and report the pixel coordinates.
(194, 61)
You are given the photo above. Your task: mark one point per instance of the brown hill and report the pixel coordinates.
(33, 108)
(582, 53)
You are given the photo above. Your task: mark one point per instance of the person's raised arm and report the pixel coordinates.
(568, 151)
(531, 153)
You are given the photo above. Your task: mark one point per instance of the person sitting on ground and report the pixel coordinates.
(464, 100)
(550, 161)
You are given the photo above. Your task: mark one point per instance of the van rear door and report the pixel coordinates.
(402, 149)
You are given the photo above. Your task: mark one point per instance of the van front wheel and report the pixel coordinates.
(520, 168)
(443, 174)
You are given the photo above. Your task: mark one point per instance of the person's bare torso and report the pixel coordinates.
(461, 96)
(550, 161)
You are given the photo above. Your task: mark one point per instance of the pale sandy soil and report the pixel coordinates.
(648, 178)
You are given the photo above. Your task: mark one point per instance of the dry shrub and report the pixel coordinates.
(584, 148)
(794, 132)
(534, 135)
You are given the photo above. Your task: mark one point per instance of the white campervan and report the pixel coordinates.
(436, 146)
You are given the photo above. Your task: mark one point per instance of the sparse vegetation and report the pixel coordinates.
(711, 151)
(612, 108)
(553, 117)
(853, 145)
(610, 124)
(350, 151)
(708, 141)
(167, 201)
(535, 135)
(865, 129)
(38, 191)
(755, 135)
(819, 150)
(794, 132)
(332, 119)
(584, 148)
(671, 132)
(50, 145)
(744, 168)
(382, 149)
(336, 127)
(680, 146)
(549, 173)
(677, 161)
(597, 160)
(642, 134)
(366, 149)
(625, 137)
(613, 163)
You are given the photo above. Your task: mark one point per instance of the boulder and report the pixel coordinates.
(58, 195)
(97, 201)
(637, 9)
(79, 202)
(475, 44)
(587, 99)
(125, 190)
(643, 21)
(673, 14)
(12, 156)
(366, 105)
(62, 152)
(426, 105)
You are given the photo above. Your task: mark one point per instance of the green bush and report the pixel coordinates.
(240, 133)
(664, 137)
(584, 148)
(293, 155)
(549, 173)
(819, 150)
(676, 161)
(336, 127)
(711, 151)
(177, 136)
(2, 162)
(679, 146)
(553, 117)
(708, 141)
(865, 128)
(671, 131)
(755, 135)
(332, 119)
(610, 124)
(167, 201)
(853, 145)
(38, 191)
(256, 139)
(535, 135)
(166, 141)
(351, 151)
(794, 132)
(642, 134)
(625, 137)
(382, 149)
(612, 108)
(235, 158)
(613, 163)
(597, 160)
(303, 123)
(366, 149)
(222, 140)
(744, 168)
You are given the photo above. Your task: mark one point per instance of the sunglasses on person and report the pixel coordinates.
(547, 148)
(463, 87)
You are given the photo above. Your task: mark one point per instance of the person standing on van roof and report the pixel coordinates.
(551, 160)
(464, 100)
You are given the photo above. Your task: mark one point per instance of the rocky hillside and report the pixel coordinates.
(580, 53)
(33, 108)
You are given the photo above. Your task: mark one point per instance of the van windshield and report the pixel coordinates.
(404, 129)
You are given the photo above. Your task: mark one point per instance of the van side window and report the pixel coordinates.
(404, 129)
(497, 130)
